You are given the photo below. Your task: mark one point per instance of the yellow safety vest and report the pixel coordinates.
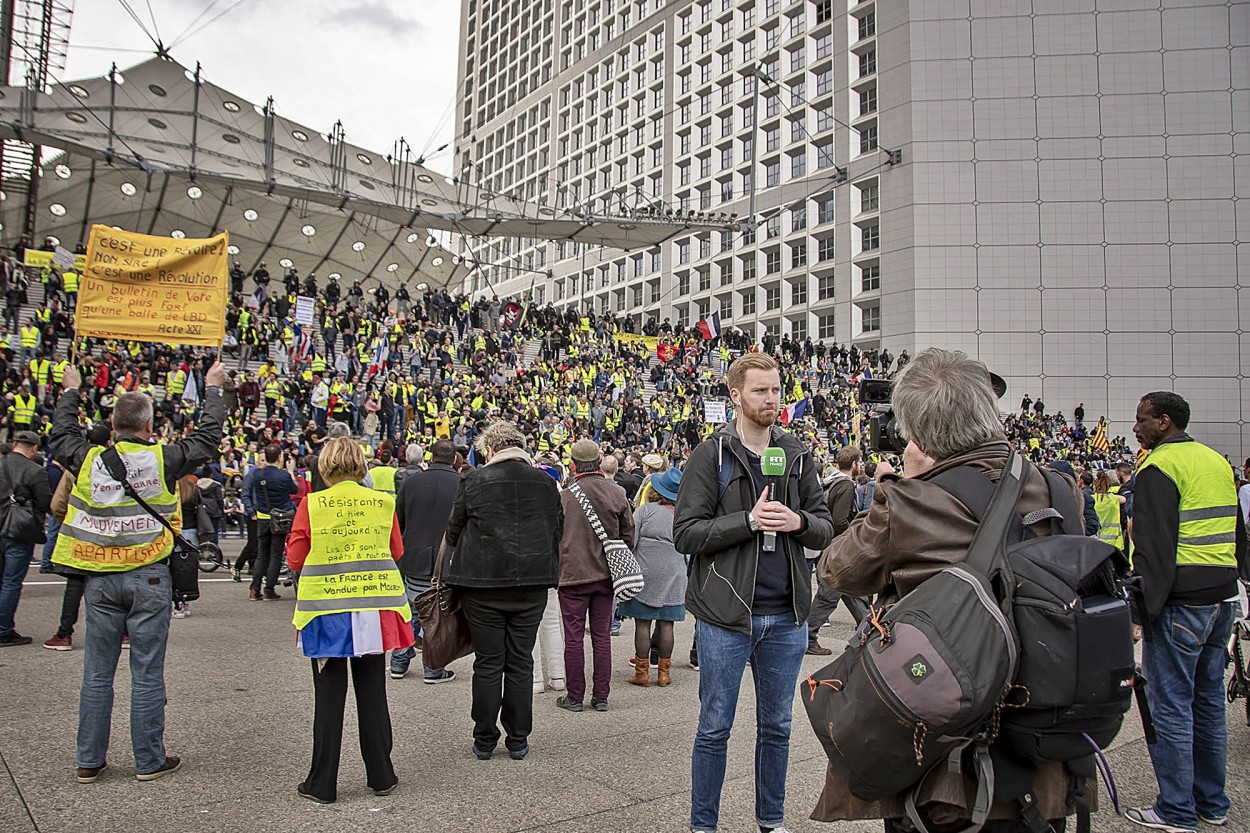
(1208, 508)
(30, 336)
(58, 371)
(71, 281)
(177, 382)
(383, 478)
(24, 409)
(318, 364)
(104, 530)
(349, 566)
(1108, 508)
(41, 369)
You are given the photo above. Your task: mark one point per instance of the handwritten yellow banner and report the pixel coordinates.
(145, 288)
(37, 259)
(632, 338)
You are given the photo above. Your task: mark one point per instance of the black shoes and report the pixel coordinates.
(311, 797)
(569, 705)
(599, 704)
(14, 638)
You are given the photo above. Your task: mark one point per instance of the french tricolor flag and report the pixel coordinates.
(710, 327)
(793, 412)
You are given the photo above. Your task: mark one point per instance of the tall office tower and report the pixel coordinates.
(1057, 188)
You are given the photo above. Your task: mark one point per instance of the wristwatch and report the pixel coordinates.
(752, 523)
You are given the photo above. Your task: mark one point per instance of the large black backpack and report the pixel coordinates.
(1077, 673)
(922, 682)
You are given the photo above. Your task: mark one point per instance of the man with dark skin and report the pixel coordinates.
(1188, 539)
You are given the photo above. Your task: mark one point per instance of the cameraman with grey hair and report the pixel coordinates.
(914, 529)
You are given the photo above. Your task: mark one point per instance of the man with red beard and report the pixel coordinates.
(749, 589)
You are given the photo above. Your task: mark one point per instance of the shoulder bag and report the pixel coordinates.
(627, 580)
(280, 520)
(19, 521)
(184, 561)
(445, 630)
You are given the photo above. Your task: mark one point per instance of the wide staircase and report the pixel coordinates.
(530, 352)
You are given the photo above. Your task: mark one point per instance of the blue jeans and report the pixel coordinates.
(775, 646)
(1184, 663)
(53, 530)
(17, 558)
(137, 604)
(401, 659)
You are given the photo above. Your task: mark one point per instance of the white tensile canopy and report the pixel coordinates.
(157, 149)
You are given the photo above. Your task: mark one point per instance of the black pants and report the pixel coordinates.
(504, 625)
(248, 555)
(70, 602)
(330, 700)
(825, 603)
(269, 552)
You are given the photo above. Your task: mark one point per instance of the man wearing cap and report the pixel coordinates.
(585, 579)
(652, 464)
(29, 486)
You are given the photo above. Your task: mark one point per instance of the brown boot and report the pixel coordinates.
(642, 672)
(662, 677)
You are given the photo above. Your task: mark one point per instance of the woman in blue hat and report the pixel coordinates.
(664, 575)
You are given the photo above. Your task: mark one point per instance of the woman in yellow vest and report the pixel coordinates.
(1107, 505)
(350, 606)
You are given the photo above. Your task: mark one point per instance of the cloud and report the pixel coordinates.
(374, 15)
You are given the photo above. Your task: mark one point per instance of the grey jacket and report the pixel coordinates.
(663, 567)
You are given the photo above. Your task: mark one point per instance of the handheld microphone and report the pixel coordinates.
(772, 466)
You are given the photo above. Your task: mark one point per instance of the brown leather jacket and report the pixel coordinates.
(914, 530)
(581, 553)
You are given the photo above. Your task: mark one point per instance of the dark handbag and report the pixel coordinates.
(19, 521)
(445, 629)
(184, 561)
(280, 520)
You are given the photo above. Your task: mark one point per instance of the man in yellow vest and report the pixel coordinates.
(25, 407)
(30, 340)
(122, 550)
(71, 291)
(1188, 537)
(383, 474)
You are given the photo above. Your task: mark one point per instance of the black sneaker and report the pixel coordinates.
(445, 675)
(311, 797)
(482, 754)
(569, 705)
(599, 704)
(14, 638)
(272, 596)
(655, 658)
(519, 754)
(694, 661)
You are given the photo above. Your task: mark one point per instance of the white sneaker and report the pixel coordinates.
(539, 688)
(180, 614)
(1149, 817)
(557, 684)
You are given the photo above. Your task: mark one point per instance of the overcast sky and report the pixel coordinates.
(386, 68)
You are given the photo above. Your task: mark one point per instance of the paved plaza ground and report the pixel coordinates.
(239, 714)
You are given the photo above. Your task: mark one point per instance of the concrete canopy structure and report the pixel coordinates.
(157, 149)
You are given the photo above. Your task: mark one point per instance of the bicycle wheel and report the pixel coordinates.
(211, 558)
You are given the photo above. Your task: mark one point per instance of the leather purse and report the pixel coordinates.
(445, 629)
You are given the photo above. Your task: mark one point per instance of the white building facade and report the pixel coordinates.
(1056, 188)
